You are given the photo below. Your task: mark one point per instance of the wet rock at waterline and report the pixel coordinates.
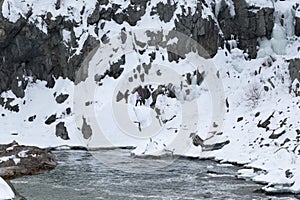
(19, 160)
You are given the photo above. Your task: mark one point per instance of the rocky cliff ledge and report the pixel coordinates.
(18, 160)
(54, 43)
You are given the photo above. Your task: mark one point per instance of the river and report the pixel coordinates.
(82, 175)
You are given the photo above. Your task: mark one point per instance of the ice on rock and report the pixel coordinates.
(265, 48)
(278, 40)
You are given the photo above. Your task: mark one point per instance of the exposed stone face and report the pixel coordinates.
(203, 30)
(294, 69)
(164, 11)
(86, 129)
(31, 160)
(247, 25)
(297, 26)
(61, 131)
(50, 119)
(27, 51)
(132, 14)
(6, 103)
(61, 98)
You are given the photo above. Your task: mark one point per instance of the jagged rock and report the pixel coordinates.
(121, 96)
(114, 71)
(27, 51)
(50, 119)
(68, 111)
(95, 16)
(203, 30)
(52, 59)
(31, 118)
(247, 25)
(6, 103)
(86, 129)
(197, 141)
(214, 147)
(24, 160)
(115, 68)
(297, 26)
(265, 123)
(61, 131)
(61, 98)
(57, 4)
(132, 14)
(239, 119)
(294, 69)
(164, 11)
(276, 135)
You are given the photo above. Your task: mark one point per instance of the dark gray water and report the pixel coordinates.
(81, 176)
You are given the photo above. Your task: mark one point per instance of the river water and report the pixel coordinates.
(81, 175)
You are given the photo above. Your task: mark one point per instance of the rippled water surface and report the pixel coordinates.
(81, 175)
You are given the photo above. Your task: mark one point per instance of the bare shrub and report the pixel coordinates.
(252, 95)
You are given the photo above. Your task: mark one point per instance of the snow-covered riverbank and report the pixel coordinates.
(251, 106)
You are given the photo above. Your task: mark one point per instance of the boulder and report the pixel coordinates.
(61, 131)
(19, 160)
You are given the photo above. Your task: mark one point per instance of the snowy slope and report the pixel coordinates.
(251, 92)
(5, 191)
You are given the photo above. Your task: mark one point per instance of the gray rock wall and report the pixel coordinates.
(248, 24)
(297, 26)
(25, 50)
(294, 69)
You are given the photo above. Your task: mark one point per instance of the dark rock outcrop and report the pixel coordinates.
(31, 118)
(265, 123)
(61, 131)
(50, 119)
(203, 30)
(132, 14)
(114, 71)
(297, 20)
(86, 130)
(247, 25)
(7, 104)
(27, 51)
(164, 11)
(24, 160)
(297, 26)
(294, 69)
(61, 98)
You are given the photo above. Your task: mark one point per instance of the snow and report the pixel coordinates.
(5, 191)
(265, 159)
(260, 4)
(230, 5)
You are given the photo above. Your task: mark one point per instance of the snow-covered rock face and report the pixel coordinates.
(52, 39)
(70, 72)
